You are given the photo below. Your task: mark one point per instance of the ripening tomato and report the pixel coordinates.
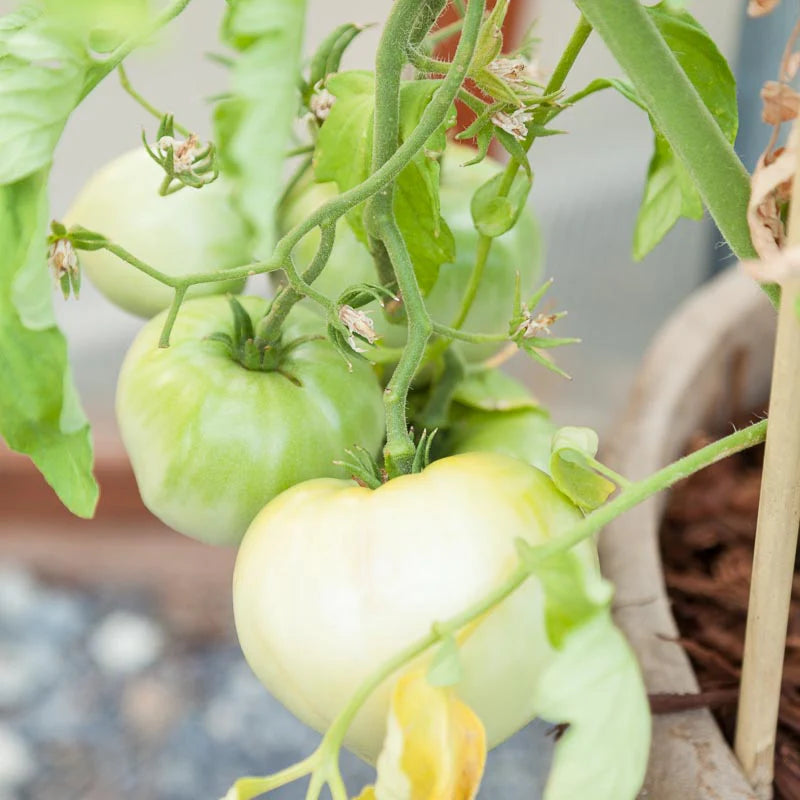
(516, 252)
(333, 579)
(193, 230)
(211, 442)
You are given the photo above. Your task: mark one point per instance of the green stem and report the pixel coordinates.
(249, 788)
(169, 322)
(426, 64)
(444, 33)
(476, 338)
(399, 450)
(484, 244)
(629, 497)
(102, 69)
(680, 114)
(269, 328)
(126, 84)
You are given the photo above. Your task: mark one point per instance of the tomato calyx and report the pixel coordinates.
(254, 353)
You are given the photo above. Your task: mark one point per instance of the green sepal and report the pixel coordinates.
(571, 467)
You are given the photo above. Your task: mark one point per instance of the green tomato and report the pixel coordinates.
(193, 230)
(333, 579)
(211, 442)
(517, 251)
(524, 433)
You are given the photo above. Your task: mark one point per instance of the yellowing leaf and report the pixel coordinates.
(435, 747)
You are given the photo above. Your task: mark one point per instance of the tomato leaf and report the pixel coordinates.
(593, 684)
(435, 745)
(571, 467)
(343, 155)
(42, 73)
(669, 193)
(39, 410)
(446, 668)
(492, 214)
(493, 390)
(253, 123)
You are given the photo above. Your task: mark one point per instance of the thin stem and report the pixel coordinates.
(399, 450)
(269, 328)
(249, 788)
(484, 245)
(463, 336)
(126, 84)
(426, 64)
(459, 7)
(775, 542)
(607, 472)
(169, 322)
(102, 69)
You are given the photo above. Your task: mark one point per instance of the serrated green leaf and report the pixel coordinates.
(669, 192)
(492, 214)
(40, 414)
(493, 390)
(254, 122)
(572, 470)
(42, 72)
(446, 668)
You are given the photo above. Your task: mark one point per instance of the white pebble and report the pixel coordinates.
(126, 643)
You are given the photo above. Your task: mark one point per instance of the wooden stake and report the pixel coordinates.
(775, 545)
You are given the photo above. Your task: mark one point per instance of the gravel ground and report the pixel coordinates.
(98, 702)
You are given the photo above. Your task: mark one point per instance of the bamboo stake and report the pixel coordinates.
(775, 545)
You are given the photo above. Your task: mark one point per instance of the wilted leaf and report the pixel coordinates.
(573, 450)
(435, 746)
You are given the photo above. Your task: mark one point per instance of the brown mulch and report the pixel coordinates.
(707, 544)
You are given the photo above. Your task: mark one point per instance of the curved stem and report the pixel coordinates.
(484, 246)
(399, 450)
(126, 84)
(269, 328)
(476, 338)
(169, 322)
(249, 788)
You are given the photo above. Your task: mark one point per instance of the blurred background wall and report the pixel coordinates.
(587, 190)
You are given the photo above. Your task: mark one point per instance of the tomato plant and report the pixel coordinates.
(211, 440)
(188, 231)
(442, 603)
(362, 551)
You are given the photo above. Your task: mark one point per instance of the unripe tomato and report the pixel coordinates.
(211, 442)
(333, 579)
(193, 230)
(517, 251)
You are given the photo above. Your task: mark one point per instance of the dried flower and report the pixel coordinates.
(357, 322)
(532, 326)
(321, 103)
(515, 71)
(63, 261)
(514, 123)
(183, 152)
(781, 103)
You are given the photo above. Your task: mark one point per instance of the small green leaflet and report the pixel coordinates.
(40, 414)
(343, 155)
(593, 683)
(254, 122)
(572, 453)
(669, 192)
(492, 214)
(41, 80)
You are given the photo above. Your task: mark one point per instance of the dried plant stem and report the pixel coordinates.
(775, 546)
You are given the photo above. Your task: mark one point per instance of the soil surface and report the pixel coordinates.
(707, 544)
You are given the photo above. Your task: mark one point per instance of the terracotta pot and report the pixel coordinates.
(710, 361)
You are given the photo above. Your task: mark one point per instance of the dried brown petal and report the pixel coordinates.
(781, 103)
